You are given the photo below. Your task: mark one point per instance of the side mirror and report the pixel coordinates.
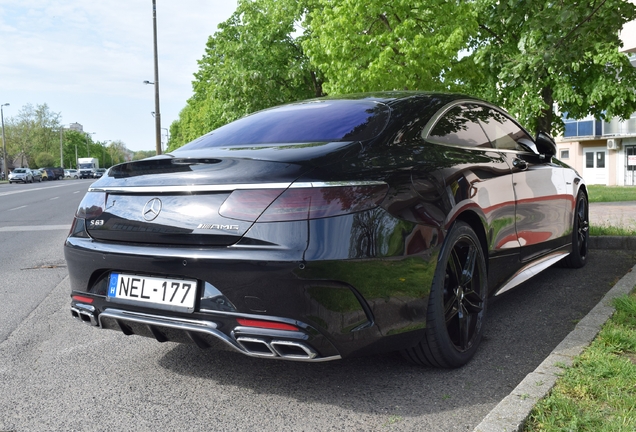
(546, 145)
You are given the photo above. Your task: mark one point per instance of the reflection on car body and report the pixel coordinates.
(329, 228)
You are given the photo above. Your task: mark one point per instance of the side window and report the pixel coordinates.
(460, 127)
(503, 132)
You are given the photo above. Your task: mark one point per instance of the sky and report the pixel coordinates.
(87, 61)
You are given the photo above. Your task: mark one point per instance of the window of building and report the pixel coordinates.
(600, 159)
(565, 154)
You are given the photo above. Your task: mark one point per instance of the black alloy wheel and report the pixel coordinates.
(457, 303)
(580, 234)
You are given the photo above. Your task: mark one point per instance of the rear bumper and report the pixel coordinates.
(276, 344)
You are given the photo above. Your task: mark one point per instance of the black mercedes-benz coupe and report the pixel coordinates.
(329, 228)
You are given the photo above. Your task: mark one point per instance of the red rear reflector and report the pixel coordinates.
(266, 324)
(82, 299)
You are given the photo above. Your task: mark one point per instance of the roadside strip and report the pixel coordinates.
(511, 413)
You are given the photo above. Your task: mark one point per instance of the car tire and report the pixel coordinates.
(457, 303)
(580, 234)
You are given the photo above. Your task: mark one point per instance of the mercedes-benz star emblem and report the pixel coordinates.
(152, 209)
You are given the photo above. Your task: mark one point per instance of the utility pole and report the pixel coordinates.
(157, 112)
(4, 144)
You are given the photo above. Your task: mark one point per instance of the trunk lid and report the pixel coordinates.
(176, 201)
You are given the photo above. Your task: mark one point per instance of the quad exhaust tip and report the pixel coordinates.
(276, 348)
(84, 313)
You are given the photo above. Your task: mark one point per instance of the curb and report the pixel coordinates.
(612, 242)
(511, 413)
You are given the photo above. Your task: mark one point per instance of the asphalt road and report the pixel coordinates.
(59, 374)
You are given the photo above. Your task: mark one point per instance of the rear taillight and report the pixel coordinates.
(92, 205)
(302, 203)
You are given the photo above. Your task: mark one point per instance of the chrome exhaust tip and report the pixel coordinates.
(290, 350)
(257, 347)
(293, 350)
(84, 313)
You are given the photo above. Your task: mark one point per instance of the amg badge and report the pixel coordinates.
(218, 227)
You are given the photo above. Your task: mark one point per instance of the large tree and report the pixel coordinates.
(526, 55)
(396, 45)
(34, 130)
(533, 54)
(255, 60)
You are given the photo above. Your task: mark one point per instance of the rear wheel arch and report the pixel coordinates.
(476, 223)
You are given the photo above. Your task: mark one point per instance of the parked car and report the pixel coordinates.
(22, 175)
(56, 173)
(329, 228)
(45, 174)
(36, 175)
(71, 173)
(99, 172)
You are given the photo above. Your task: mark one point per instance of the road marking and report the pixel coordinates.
(17, 208)
(53, 198)
(36, 189)
(35, 228)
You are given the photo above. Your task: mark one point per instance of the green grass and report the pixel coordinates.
(600, 230)
(599, 193)
(598, 392)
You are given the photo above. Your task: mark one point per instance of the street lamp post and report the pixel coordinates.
(88, 150)
(61, 141)
(157, 112)
(4, 143)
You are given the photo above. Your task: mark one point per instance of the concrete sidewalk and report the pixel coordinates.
(616, 214)
(511, 413)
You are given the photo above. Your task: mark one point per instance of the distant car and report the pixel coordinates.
(51, 175)
(55, 173)
(45, 174)
(22, 175)
(71, 173)
(329, 228)
(99, 172)
(36, 174)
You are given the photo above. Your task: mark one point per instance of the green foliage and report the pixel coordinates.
(525, 55)
(44, 159)
(532, 54)
(34, 130)
(397, 45)
(254, 61)
(601, 193)
(143, 154)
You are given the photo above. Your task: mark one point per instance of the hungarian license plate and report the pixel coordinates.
(161, 293)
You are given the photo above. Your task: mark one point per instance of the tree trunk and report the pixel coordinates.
(544, 123)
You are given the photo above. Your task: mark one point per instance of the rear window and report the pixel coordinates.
(314, 121)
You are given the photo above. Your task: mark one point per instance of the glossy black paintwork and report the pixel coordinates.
(356, 283)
